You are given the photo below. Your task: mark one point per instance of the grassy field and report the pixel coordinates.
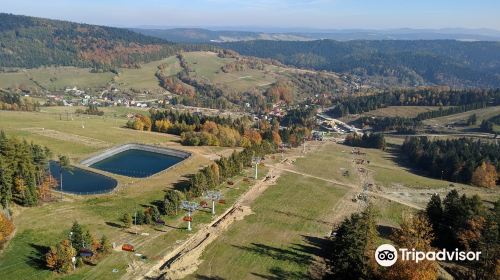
(63, 133)
(290, 220)
(285, 233)
(42, 226)
(482, 114)
(388, 172)
(328, 161)
(55, 78)
(401, 111)
(207, 65)
(390, 213)
(279, 240)
(45, 225)
(144, 77)
(59, 78)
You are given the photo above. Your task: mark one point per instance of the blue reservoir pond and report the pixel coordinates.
(132, 163)
(81, 181)
(136, 163)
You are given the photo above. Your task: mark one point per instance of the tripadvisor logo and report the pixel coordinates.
(387, 255)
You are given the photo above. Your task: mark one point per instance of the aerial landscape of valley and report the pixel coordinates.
(227, 140)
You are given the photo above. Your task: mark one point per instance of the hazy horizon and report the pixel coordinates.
(272, 14)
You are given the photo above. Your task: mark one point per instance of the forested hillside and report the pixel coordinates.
(411, 63)
(33, 42)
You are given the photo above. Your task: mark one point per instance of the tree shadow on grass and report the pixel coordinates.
(291, 255)
(175, 141)
(174, 227)
(157, 203)
(401, 160)
(37, 259)
(315, 246)
(113, 224)
(299, 253)
(184, 183)
(386, 232)
(288, 213)
(277, 273)
(205, 209)
(203, 277)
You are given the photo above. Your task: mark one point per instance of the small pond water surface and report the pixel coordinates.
(81, 181)
(136, 163)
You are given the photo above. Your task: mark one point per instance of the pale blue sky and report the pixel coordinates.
(325, 14)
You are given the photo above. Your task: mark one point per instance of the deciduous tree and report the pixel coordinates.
(60, 257)
(6, 228)
(172, 201)
(127, 220)
(485, 175)
(415, 232)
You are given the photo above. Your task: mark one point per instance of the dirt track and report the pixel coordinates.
(355, 187)
(185, 259)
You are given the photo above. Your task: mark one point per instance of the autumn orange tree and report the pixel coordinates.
(280, 91)
(59, 258)
(46, 187)
(415, 232)
(6, 228)
(163, 125)
(253, 135)
(485, 175)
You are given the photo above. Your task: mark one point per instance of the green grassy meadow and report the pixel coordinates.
(388, 172)
(401, 111)
(482, 114)
(329, 161)
(47, 224)
(278, 240)
(144, 77)
(60, 78)
(55, 78)
(207, 66)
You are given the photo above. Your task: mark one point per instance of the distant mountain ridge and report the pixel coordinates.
(417, 62)
(29, 42)
(32, 42)
(201, 35)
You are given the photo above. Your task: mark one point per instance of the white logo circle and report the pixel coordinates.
(386, 255)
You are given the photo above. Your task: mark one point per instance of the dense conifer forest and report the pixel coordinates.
(427, 97)
(448, 62)
(455, 160)
(23, 169)
(33, 42)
